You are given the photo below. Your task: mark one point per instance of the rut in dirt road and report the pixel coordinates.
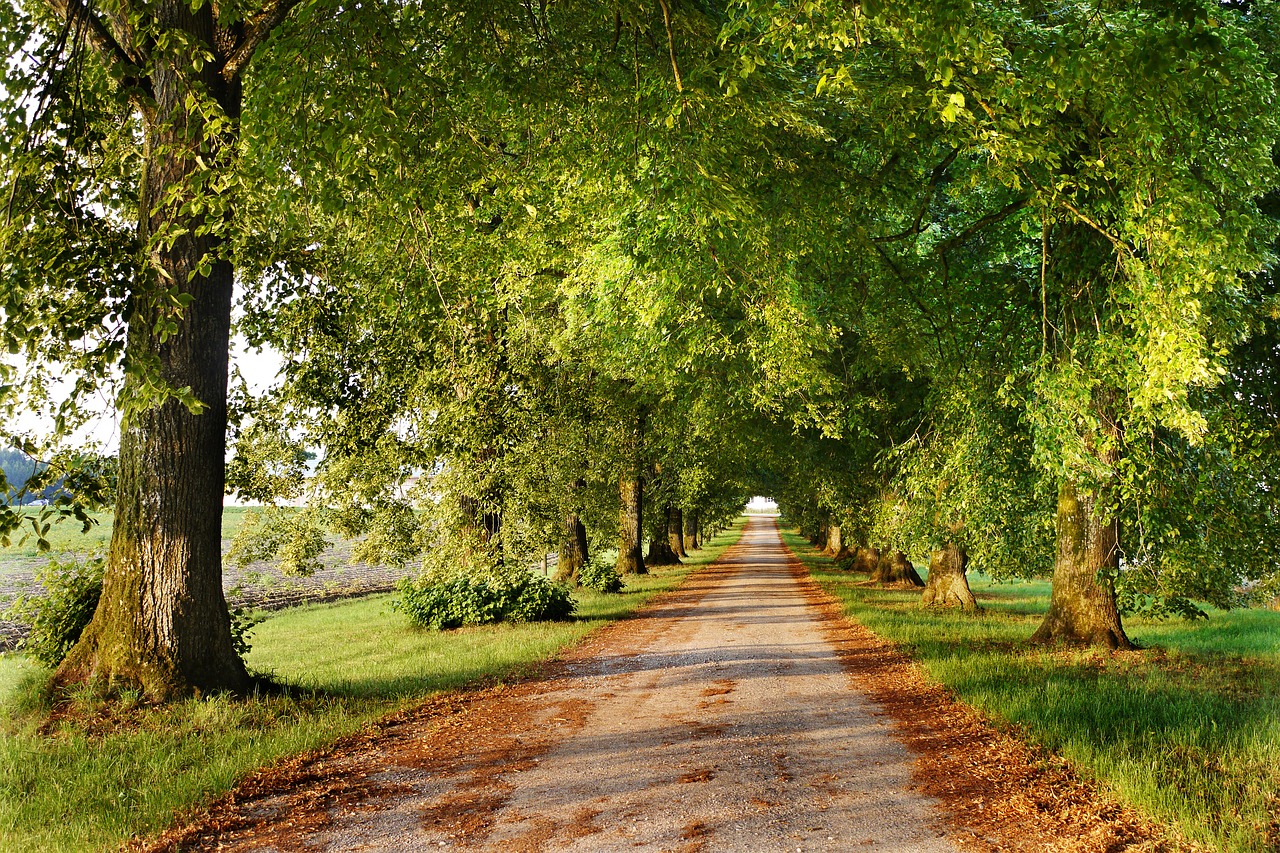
(721, 720)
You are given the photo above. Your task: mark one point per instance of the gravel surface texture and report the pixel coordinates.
(722, 720)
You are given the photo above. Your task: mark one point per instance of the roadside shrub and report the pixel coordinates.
(57, 618)
(441, 601)
(600, 575)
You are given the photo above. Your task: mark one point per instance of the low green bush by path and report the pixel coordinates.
(115, 773)
(1187, 729)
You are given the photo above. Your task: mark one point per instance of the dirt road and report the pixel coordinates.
(729, 717)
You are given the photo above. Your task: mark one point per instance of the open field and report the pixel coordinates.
(101, 777)
(256, 586)
(1186, 729)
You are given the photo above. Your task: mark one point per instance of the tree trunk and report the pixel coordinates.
(866, 560)
(630, 527)
(948, 584)
(894, 569)
(835, 544)
(1082, 607)
(675, 531)
(573, 551)
(660, 551)
(162, 623)
(819, 539)
(691, 542)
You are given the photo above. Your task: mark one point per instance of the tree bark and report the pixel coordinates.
(162, 623)
(894, 569)
(675, 531)
(1082, 607)
(866, 560)
(573, 550)
(835, 544)
(948, 585)
(691, 542)
(630, 527)
(660, 551)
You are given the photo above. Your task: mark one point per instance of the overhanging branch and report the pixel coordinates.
(260, 26)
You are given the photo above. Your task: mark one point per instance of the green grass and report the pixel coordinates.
(113, 774)
(1187, 730)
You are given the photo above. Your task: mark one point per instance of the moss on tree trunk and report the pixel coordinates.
(948, 586)
(1082, 607)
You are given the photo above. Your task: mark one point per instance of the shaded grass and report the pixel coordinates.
(109, 773)
(1187, 729)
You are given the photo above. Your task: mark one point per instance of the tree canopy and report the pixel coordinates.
(987, 276)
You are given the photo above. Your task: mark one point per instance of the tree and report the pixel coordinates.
(162, 624)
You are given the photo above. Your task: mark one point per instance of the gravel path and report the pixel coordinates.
(721, 720)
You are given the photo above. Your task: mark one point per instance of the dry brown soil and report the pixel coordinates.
(739, 713)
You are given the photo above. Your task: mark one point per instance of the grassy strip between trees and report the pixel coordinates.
(1187, 729)
(107, 774)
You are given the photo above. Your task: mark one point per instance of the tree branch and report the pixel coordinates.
(990, 219)
(935, 177)
(671, 44)
(77, 15)
(260, 26)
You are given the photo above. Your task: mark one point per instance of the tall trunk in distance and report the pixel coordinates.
(573, 550)
(1082, 606)
(691, 541)
(819, 538)
(631, 526)
(660, 550)
(675, 531)
(162, 623)
(948, 584)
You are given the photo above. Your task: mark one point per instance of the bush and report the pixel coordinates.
(441, 601)
(58, 618)
(600, 575)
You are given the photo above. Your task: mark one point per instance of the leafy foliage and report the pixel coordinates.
(442, 601)
(601, 575)
(58, 616)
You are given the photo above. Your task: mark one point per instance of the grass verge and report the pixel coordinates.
(108, 773)
(1187, 729)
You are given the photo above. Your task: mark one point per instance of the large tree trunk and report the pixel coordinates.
(675, 531)
(1082, 607)
(866, 560)
(835, 544)
(162, 622)
(573, 550)
(948, 584)
(631, 526)
(691, 541)
(660, 551)
(894, 569)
